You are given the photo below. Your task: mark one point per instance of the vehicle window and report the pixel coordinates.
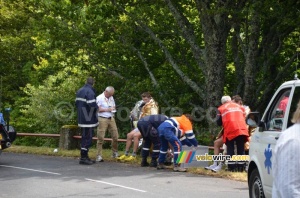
(274, 117)
(295, 100)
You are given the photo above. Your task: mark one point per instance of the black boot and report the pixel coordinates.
(84, 159)
(144, 162)
(93, 161)
(153, 162)
(87, 155)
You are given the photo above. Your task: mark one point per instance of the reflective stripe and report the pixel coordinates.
(171, 122)
(91, 101)
(182, 138)
(88, 125)
(85, 149)
(231, 162)
(238, 110)
(146, 149)
(84, 100)
(176, 152)
(163, 152)
(155, 151)
(175, 123)
(191, 137)
(81, 99)
(189, 131)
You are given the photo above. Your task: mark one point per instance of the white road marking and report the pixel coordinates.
(115, 185)
(31, 169)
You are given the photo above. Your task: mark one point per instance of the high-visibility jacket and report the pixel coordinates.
(233, 120)
(183, 127)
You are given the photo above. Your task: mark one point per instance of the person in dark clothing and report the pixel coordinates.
(148, 127)
(87, 109)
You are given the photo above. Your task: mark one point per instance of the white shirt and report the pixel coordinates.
(104, 102)
(286, 164)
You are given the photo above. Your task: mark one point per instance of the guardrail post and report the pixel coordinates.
(66, 140)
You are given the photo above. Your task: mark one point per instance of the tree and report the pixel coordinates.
(187, 53)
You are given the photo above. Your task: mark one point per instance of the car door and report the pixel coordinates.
(270, 127)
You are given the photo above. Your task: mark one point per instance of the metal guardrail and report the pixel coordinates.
(58, 135)
(77, 137)
(38, 135)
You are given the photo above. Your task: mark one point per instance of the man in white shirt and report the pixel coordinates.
(286, 162)
(107, 109)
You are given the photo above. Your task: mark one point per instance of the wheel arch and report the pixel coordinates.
(252, 166)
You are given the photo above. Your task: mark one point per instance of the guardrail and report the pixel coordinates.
(38, 135)
(77, 137)
(58, 135)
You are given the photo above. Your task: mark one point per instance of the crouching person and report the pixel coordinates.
(169, 132)
(148, 127)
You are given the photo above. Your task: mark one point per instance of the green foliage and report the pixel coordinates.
(36, 141)
(48, 48)
(51, 102)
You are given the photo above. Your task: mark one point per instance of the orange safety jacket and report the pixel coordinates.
(184, 128)
(182, 123)
(233, 120)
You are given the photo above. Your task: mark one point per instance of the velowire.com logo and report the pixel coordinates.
(188, 156)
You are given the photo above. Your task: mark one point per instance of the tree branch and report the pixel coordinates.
(153, 79)
(188, 34)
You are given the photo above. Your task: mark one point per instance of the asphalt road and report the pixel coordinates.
(25, 175)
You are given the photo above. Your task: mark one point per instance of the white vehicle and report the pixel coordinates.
(276, 118)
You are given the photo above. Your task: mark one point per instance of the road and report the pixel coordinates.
(26, 175)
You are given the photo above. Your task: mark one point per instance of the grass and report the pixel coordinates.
(107, 157)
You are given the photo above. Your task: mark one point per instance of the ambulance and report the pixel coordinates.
(276, 118)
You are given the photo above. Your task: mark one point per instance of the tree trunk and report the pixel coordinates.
(215, 30)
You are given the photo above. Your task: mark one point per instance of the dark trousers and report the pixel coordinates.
(239, 141)
(153, 138)
(150, 136)
(86, 140)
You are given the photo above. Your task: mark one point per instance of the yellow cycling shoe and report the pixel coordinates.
(122, 157)
(130, 159)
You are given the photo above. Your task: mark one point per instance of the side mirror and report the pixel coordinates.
(262, 126)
